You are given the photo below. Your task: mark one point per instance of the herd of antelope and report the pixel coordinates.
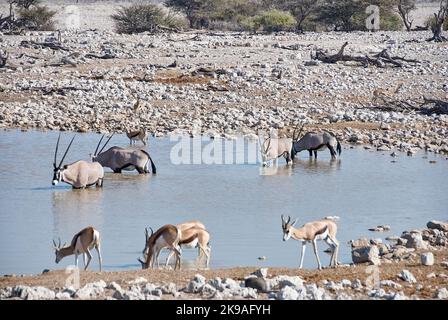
(193, 234)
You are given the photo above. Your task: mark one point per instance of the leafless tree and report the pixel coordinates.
(439, 20)
(405, 7)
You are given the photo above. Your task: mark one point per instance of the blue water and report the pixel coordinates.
(240, 207)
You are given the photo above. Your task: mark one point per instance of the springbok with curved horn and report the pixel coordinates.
(274, 148)
(168, 237)
(325, 229)
(85, 240)
(316, 141)
(80, 174)
(118, 159)
(194, 235)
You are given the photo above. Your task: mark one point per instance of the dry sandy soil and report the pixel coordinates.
(56, 279)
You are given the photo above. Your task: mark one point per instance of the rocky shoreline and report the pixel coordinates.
(417, 269)
(225, 85)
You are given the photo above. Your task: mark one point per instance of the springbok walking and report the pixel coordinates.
(118, 159)
(194, 235)
(136, 135)
(82, 243)
(80, 174)
(167, 236)
(316, 141)
(311, 232)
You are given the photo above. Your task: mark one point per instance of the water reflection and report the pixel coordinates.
(315, 166)
(75, 209)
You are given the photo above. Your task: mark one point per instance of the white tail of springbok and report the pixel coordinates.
(82, 243)
(324, 229)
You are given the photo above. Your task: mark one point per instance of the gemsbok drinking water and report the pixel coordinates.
(316, 141)
(168, 237)
(128, 159)
(194, 235)
(274, 148)
(85, 240)
(325, 229)
(80, 174)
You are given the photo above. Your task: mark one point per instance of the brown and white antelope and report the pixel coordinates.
(168, 237)
(82, 243)
(325, 229)
(194, 235)
(316, 141)
(118, 159)
(135, 135)
(80, 174)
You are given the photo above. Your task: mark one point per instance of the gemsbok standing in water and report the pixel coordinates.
(85, 240)
(274, 148)
(316, 141)
(194, 235)
(118, 159)
(168, 237)
(80, 174)
(325, 229)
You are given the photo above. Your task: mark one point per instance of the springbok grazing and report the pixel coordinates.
(274, 148)
(80, 174)
(167, 236)
(194, 235)
(311, 232)
(82, 242)
(135, 135)
(316, 141)
(118, 159)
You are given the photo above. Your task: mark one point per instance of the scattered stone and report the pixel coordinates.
(427, 258)
(261, 273)
(407, 276)
(442, 293)
(91, 290)
(439, 225)
(256, 283)
(368, 254)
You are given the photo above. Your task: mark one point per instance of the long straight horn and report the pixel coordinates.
(269, 144)
(56, 151)
(106, 143)
(68, 148)
(54, 244)
(102, 137)
(146, 234)
(289, 219)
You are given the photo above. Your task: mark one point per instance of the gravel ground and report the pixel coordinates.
(225, 85)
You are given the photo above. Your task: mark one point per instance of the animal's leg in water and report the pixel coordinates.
(311, 152)
(315, 154)
(288, 158)
(117, 170)
(333, 153)
(140, 170)
(99, 183)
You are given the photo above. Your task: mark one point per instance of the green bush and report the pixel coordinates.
(270, 21)
(391, 22)
(140, 18)
(37, 18)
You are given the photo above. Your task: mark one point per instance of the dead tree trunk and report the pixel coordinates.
(379, 60)
(439, 20)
